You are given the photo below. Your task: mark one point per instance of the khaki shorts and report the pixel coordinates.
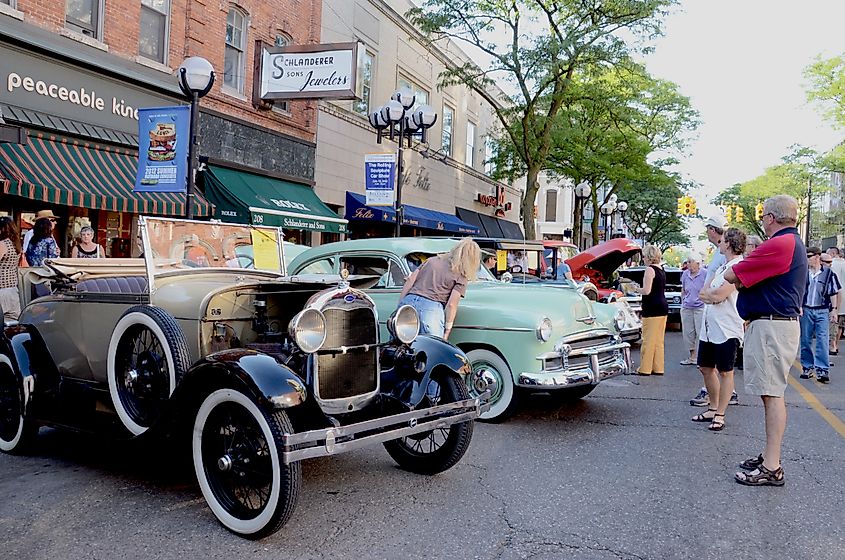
(770, 349)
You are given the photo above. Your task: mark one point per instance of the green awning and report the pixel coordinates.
(78, 173)
(248, 198)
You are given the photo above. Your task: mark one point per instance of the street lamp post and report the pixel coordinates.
(642, 232)
(582, 193)
(622, 207)
(607, 209)
(396, 117)
(196, 76)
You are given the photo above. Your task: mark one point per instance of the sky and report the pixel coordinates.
(741, 62)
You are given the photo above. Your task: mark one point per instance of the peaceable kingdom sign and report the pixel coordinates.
(305, 71)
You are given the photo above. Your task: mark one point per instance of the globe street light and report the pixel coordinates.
(397, 117)
(622, 207)
(607, 209)
(582, 193)
(196, 76)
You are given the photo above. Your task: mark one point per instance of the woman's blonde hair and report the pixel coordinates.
(465, 258)
(652, 254)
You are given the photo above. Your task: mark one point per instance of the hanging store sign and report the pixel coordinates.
(380, 179)
(495, 200)
(305, 71)
(162, 149)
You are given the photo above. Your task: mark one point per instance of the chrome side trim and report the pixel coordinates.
(323, 442)
(504, 329)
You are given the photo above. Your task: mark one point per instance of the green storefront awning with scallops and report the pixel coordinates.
(242, 197)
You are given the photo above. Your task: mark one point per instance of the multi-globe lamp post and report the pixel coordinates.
(642, 231)
(608, 209)
(196, 76)
(583, 191)
(401, 121)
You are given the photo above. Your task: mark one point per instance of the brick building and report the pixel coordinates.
(73, 72)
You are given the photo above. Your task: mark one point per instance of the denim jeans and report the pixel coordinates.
(432, 314)
(815, 323)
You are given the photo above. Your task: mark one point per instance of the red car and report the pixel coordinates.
(598, 263)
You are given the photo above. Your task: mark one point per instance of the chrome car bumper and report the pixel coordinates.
(332, 441)
(593, 365)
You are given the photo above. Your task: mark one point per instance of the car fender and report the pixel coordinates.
(439, 354)
(18, 347)
(272, 384)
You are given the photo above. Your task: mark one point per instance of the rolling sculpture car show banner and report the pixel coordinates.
(163, 149)
(380, 179)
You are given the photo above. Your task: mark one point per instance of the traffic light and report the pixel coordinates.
(692, 209)
(728, 213)
(681, 205)
(688, 201)
(738, 214)
(758, 211)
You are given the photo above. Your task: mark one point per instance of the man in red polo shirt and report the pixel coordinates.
(771, 282)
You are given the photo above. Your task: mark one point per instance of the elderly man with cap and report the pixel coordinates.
(822, 292)
(28, 235)
(715, 227)
(692, 308)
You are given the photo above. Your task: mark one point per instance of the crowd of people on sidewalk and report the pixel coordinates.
(38, 244)
(758, 306)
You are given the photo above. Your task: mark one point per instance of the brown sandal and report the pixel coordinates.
(752, 463)
(761, 476)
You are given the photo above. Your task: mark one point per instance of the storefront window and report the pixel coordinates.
(83, 16)
(152, 41)
(364, 82)
(448, 123)
(233, 64)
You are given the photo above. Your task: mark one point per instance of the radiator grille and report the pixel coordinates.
(341, 376)
(591, 342)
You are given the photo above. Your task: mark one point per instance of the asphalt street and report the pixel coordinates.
(623, 474)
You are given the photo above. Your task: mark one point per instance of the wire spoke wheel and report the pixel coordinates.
(238, 462)
(439, 449)
(143, 374)
(17, 433)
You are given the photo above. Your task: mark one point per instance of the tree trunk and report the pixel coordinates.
(532, 185)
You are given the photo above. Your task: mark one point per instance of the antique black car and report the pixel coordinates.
(252, 370)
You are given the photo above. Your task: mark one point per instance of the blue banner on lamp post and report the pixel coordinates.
(163, 139)
(380, 179)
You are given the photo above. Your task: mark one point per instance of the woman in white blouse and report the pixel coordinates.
(721, 333)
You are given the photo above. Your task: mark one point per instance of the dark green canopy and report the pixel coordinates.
(248, 198)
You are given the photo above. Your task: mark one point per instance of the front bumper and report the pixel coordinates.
(583, 366)
(332, 441)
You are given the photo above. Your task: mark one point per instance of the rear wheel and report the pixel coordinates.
(17, 432)
(437, 450)
(148, 355)
(237, 459)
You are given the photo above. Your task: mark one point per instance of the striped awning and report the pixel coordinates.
(77, 173)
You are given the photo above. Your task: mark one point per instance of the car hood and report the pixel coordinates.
(569, 311)
(604, 258)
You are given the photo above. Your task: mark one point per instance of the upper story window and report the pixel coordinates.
(281, 40)
(469, 158)
(152, 41)
(84, 16)
(551, 205)
(364, 81)
(233, 63)
(11, 3)
(489, 155)
(420, 93)
(448, 128)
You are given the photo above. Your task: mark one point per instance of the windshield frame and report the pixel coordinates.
(159, 266)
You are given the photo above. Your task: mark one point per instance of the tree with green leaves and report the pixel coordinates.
(536, 48)
(826, 87)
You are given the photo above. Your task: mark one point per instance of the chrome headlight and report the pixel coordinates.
(308, 330)
(621, 318)
(544, 329)
(404, 324)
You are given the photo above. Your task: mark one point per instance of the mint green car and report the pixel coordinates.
(517, 337)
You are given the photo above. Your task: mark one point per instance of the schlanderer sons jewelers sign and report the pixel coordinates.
(305, 71)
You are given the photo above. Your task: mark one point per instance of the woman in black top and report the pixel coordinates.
(655, 310)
